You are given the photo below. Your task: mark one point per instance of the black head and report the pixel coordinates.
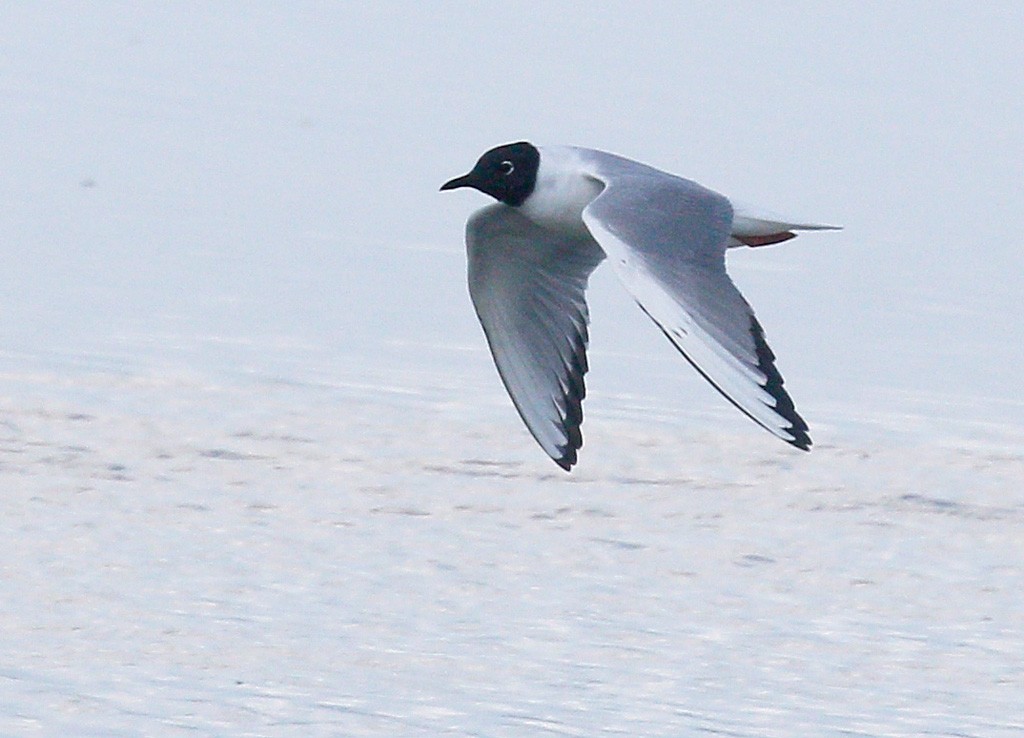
(507, 173)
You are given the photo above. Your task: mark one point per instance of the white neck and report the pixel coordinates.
(562, 190)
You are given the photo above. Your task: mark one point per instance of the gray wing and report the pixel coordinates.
(527, 286)
(667, 237)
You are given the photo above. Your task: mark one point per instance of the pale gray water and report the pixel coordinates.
(265, 559)
(260, 477)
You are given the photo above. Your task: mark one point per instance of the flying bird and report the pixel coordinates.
(561, 210)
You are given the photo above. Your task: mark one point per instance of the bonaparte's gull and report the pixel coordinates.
(561, 210)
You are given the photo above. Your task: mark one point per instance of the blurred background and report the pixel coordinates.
(252, 189)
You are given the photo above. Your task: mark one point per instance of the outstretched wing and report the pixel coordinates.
(667, 237)
(527, 286)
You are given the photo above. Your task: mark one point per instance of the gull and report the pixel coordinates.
(562, 210)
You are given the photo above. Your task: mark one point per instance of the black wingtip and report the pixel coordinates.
(573, 421)
(774, 386)
(575, 393)
(801, 441)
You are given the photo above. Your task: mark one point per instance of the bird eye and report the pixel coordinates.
(506, 167)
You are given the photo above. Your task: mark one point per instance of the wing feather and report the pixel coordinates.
(667, 237)
(527, 286)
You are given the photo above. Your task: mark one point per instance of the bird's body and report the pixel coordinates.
(561, 211)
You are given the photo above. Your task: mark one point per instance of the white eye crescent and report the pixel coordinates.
(506, 167)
